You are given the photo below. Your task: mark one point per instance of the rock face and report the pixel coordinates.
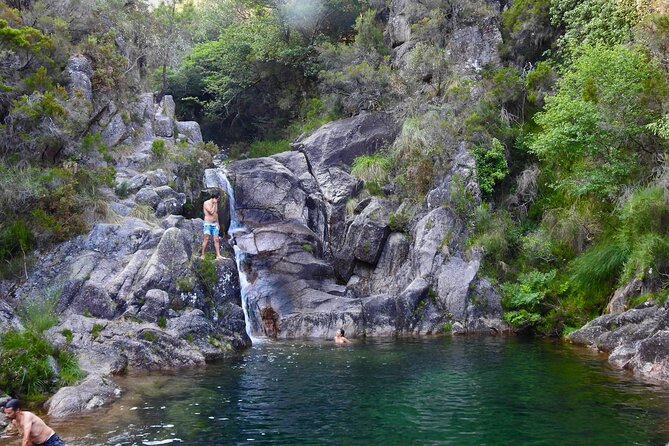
(135, 293)
(79, 72)
(637, 339)
(471, 40)
(312, 268)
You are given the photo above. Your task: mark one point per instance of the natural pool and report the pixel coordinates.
(445, 391)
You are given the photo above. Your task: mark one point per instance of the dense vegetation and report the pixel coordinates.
(569, 132)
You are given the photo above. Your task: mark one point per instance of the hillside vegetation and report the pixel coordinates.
(569, 132)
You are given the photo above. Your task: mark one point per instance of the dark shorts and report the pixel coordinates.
(53, 440)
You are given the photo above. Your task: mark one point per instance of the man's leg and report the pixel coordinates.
(205, 242)
(217, 247)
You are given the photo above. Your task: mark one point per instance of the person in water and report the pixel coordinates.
(31, 427)
(340, 338)
(211, 227)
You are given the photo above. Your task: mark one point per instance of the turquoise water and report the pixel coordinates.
(435, 391)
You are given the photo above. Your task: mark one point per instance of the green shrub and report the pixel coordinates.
(24, 365)
(399, 222)
(206, 271)
(159, 149)
(491, 166)
(307, 247)
(96, 330)
(39, 313)
(313, 114)
(92, 142)
(67, 333)
(525, 301)
(372, 168)
(150, 336)
(263, 148)
(185, 284)
(70, 372)
(162, 322)
(121, 190)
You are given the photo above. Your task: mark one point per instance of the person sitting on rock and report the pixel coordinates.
(340, 338)
(211, 226)
(31, 427)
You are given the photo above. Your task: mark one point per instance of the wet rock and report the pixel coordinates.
(95, 391)
(636, 339)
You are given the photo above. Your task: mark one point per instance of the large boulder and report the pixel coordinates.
(163, 126)
(95, 391)
(332, 148)
(191, 130)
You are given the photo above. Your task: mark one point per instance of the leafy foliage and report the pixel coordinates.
(25, 368)
(491, 165)
(594, 128)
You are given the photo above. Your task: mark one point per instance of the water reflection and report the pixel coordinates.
(460, 391)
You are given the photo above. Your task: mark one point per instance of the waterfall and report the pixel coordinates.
(235, 226)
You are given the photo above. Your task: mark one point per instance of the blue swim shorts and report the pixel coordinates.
(210, 228)
(53, 440)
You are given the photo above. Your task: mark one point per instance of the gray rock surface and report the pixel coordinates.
(115, 132)
(636, 339)
(191, 130)
(300, 247)
(95, 391)
(163, 126)
(78, 72)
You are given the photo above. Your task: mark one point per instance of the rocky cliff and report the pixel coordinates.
(313, 266)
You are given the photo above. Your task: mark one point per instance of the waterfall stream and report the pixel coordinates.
(235, 227)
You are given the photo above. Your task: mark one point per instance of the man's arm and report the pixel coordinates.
(26, 426)
(210, 208)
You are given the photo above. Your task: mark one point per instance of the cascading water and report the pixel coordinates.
(234, 228)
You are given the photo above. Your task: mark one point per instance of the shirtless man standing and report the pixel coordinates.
(211, 226)
(31, 427)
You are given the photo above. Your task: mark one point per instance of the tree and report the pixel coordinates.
(594, 136)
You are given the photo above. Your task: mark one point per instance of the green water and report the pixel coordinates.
(438, 391)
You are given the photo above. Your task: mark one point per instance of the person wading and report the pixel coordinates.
(211, 227)
(33, 430)
(340, 338)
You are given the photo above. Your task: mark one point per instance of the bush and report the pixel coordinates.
(206, 271)
(25, 368)
(263, 148)
(491, 166)
(524, 301)
(372, 168)
(158, 149)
